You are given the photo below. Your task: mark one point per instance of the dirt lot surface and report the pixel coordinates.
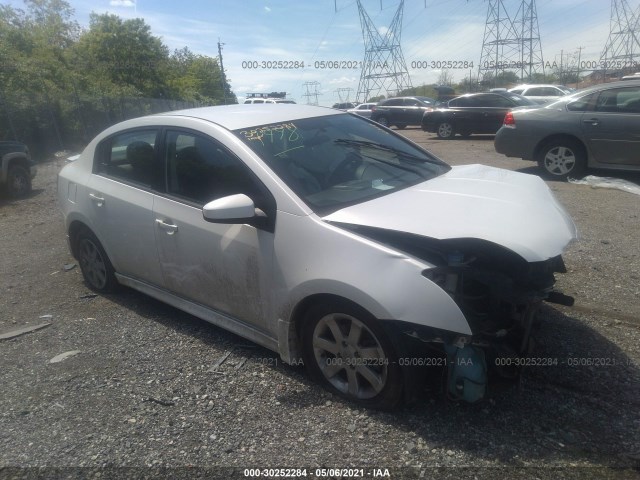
(167, 395)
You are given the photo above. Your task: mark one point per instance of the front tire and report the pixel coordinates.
(98, 273)
(346, 351)
(445, 130)
(563, 158)
(18, 181)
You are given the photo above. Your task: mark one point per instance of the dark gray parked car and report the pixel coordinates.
(598, 127)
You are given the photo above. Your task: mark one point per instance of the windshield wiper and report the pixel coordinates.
(380, 146)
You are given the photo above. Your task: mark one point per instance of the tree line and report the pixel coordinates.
(60, 84)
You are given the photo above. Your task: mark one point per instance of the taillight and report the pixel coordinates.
(373, 108)
(509, 120)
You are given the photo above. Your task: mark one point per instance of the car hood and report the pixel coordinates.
(514, 210)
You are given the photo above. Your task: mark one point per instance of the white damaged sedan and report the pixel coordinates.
(324, 237)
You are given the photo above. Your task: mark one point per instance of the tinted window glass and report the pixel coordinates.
(129, 156)
(489, 100)
(200, 170)
(393, 102)
(412, 102)
(461, 102)
(619, 100)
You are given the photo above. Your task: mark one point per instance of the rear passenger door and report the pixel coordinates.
(413, 111)
(612, 130)
(120, 195)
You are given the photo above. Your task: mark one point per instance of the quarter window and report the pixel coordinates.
(129, 156)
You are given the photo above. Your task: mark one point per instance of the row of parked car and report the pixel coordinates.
(564, 130)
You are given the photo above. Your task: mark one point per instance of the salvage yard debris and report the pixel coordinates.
(64, 356)
(608, 182)
(22, 331)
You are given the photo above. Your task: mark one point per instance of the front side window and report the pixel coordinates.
(200, 170)
(334, 161)
(129, 156)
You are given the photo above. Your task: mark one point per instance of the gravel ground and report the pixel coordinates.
(154, 392)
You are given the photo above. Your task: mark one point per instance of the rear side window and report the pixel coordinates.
(394, 102)
(129, 156)
(490, 100)
(583, 104)
(619, 100)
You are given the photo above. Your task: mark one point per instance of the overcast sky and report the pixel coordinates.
(312, 31)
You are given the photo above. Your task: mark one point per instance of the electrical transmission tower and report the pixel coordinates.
(622, 51)
(311, 92)
(383, 68)
(511, 42)
(344, 94)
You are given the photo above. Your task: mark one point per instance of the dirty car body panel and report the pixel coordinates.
(321, 236)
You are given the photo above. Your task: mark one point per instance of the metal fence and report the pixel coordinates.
(68, 123)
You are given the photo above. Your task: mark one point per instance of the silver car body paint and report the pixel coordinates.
(516, 211)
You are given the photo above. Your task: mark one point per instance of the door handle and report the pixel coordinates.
(592, 121)
(99, 201)
(167, 227)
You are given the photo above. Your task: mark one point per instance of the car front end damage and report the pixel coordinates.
(499, 294)
(493, 241)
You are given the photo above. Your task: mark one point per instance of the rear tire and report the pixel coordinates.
(382, 120)
(346, 351)
(445, 130)
(562, 158)
(98, 273)
(18, 181)
(401, 126)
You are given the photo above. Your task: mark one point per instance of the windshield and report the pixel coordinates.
(335, 161)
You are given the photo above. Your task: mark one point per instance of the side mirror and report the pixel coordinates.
(232, 209)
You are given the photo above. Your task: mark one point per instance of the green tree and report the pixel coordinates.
(198, 78)
(122, 57)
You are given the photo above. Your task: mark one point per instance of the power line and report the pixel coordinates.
(383, 68)
(511, 42)
(621, 53)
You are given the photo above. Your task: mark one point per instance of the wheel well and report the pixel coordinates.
(305, 304)
(559, 137)
(74, 229)
(14, 160)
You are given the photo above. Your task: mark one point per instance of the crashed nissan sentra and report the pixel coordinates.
(324, 237)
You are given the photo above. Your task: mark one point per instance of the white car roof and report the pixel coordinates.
(234, 117)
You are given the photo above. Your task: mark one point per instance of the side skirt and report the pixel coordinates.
(205, 313)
